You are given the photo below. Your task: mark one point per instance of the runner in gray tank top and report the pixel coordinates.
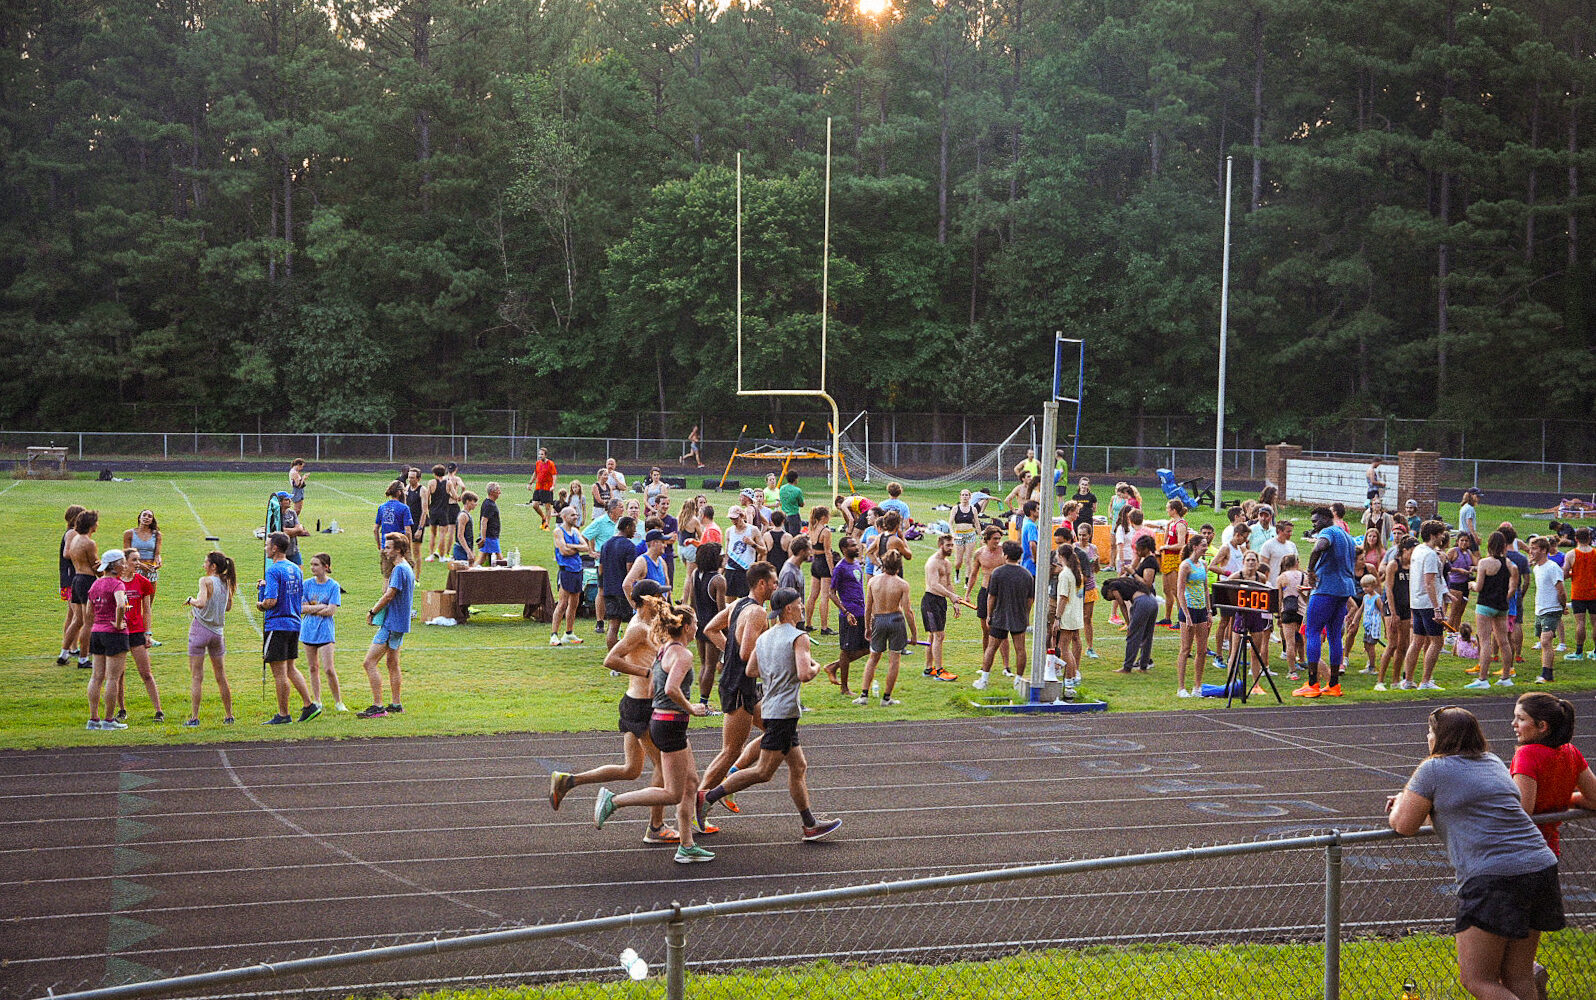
(782, 659)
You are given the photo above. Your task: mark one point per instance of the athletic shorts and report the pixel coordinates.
(1486, 611)
(107, 643)
(542, 496)
(440, 520)
(81, 583)
(460, 553)
(454, 513)
(1578, 607)
(313, 646)
(999, 635)
(980, 604)
(817, 568)
(571, 581)
(736, 581)
(202, 640)
(136, 639)
(280, 646)
(934, 612)
(1198, 616)
(738, 693)
(1547, 621)
(781, 735)
(889, 632)
(635, 713)
(1168, 562)
(616, 608)
(668, 731)
(851, 638)
(1089, 596)
(1511, 906)
(1425, 623)
(393, 640)
(1291, 617)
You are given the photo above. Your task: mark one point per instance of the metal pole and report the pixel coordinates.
(1044, 546)
(1224, 337)
(1332, 918)
(80, 445)
(676, 958)
(1080, 402)
(867, 448)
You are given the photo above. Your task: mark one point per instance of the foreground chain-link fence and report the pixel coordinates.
(1355, 914)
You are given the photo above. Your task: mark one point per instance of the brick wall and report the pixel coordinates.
(1275, 458)
(1419, 479)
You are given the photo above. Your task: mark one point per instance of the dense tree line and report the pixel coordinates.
(325, 212)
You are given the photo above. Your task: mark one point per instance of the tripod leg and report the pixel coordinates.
(1238, 670)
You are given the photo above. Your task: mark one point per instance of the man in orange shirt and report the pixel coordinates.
(542, 486)
(1579, 566)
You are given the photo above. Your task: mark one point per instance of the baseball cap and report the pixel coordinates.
(645, 588)
(654, 535)
(1412, 502)
(783, 597)
(111, 556)
(283, 494)
(1263, 507)
(736, 512)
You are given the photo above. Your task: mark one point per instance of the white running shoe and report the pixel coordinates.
(1561, 647)
(1379, 687)
(1505, 682)
(980, 682)
(1430, 686)
(555, 640)
(1406, 685)
(1182, 693)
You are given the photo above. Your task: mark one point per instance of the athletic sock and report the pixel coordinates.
(1313, 675)
(715, 794)
(732, 771)
(1335, 675)
(807, 816)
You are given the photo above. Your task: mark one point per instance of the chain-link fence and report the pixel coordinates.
(1355, 914)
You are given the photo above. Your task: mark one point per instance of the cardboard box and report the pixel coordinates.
(436, 604)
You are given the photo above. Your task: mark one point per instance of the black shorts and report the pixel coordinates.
(817, 568)
(440, 519)
(668, 734)
(571, 581)
(1511, 906)
(736, 580)
(280, 646)
(738, 693)
(313, 646)
(999, 635)
(107, 643)
(934, 612)
(635, 713)
(980, 604)
(1291, 617)
(616, 607)
(1425, 622)
(850, 637)
(1198, 616)
(542, 496)
(135, 639)
(889, 632)
(1578, 607)
(81, 583)
(454, 513)
(781, 735)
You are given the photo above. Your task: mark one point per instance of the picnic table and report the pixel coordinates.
(527, 586)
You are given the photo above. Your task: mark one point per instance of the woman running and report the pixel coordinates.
(215, 598)
(674, 626)
(692, 449)
(1191, 583)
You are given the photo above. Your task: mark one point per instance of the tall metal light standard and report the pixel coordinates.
(1224, 331)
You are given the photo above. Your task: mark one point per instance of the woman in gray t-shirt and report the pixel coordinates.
(1507, 876)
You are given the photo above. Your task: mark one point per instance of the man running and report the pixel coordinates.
(1009, 594)
(282, 592)
(569, 545)
(544, 474)
(986, 560)
(1330, 573)
(734, 631)
(934, 607)
(781, 657)
(632, 656)
(889, 626)
(847, 593)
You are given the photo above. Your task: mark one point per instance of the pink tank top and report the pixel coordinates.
(102, 600)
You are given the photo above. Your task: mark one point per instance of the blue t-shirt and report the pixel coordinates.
(898, 505)
(573, 562)
(1029, 534)
(598, 531)
(1522, 562)
(316, 629)
(285, 584)
(615, 559)
(867, 545)
(393, 516)
(1333, 571)
(403, 581)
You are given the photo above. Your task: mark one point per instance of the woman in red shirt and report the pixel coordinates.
(1550, 773)
(140, 590)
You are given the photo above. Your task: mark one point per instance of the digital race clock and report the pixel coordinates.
(1245, 596)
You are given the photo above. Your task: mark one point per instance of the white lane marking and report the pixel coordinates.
(326, 486)
(249, 608)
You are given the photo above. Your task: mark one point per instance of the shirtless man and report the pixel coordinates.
(85, 556)
(633, 655)
(734, 631)
(934, 607)
(889, 626)
(69, 630)
(987, 558)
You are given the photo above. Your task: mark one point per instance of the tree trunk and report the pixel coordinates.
(288, 221)
(1443, 267)
(659, 380)
(421, 49)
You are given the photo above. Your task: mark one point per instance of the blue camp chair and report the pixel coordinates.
(1180, 490)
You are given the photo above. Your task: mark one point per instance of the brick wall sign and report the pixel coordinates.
(1326, 480)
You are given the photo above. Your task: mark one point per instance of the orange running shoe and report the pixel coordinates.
(1333, 691)
(1306, 691)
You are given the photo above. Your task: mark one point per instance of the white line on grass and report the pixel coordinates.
(325, 486)
(249, 612)
(8, 489)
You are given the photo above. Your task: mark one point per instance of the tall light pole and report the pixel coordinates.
(1224, 336)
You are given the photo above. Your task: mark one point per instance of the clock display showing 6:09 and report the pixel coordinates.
(1233, 595)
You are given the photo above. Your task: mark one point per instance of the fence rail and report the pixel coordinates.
(1362, 889)
(577, 454)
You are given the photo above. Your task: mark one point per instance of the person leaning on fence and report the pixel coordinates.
(1508, 892)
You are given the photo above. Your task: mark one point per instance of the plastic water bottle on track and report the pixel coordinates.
(875, 689)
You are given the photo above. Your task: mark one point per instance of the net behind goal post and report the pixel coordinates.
(993, 465)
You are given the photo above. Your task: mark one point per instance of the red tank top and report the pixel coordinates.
(1581, 566)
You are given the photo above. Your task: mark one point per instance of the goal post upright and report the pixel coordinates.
(835, 426)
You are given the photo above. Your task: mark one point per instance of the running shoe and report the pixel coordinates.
(154, 642)
(85, 663)
(558, 788)
(1379, 687)
(572, 639)
(1518, 659)
(94, 725)
(827, 631)
(887, 700)
(1182, 693)
(729, 800)
(1570, 656)
(1505, 682)
(693, 854)
(1333, 691)
(1162, 621)
(1091, 654)
(1559, 647)
(822, 829)
(112, 724)
(372, 712)
(1475, 669)
(710, 830)
(941, 674)
(1537, 644)
(700, 807)
(863, 699)
(603, 807)
(598, 627)
(1367, 670)
(310, 711)
(1309, 690)
(1591, 655)
(555, 640)
(121, 715)
(228, 720)
(61, 660)
(278, 720)
(160, 716)
(1478, 686)
(980, 683)
(661, 835)
(340, 706)
(1430, 686)
(395, 709)
(1406, 685)
(1543, 679)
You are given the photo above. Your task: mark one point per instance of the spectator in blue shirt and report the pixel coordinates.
(1030, 533)
(391, 617)
(894, 501)
(615, 560)
(281, 593)
(393, 515)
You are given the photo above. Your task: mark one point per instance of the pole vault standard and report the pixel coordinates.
(825, 287)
